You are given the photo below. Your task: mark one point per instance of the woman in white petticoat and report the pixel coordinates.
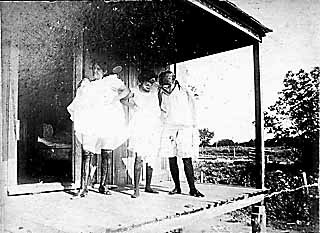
(144, 128)
(180, 136)
(99, 120)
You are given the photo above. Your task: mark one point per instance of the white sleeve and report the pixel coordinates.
(115, 82)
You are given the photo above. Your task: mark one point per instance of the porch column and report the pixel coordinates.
(3, 170)
(260, 158)
(258, 218)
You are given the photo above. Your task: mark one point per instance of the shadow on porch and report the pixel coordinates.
(61, 212)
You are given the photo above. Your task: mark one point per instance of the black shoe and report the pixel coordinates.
(135, 194)
(82, 193)
(103, 190)
(196, 193)
(150, 190)
(175, 191)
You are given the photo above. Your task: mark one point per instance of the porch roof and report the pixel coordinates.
(168, 32)
(58, 212)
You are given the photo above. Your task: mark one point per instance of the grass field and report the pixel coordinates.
(236, 166)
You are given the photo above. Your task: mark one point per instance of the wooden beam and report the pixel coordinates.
(259, 123)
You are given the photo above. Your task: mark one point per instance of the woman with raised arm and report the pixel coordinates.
(99, 121)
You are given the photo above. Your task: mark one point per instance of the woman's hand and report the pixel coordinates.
(129, 102)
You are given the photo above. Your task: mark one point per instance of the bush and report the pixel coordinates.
(226, 173)
(296, 208)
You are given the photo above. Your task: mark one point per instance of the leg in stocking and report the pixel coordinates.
(149, 171)
(174, 170)
(188, 169)
(86, 158)
(137, 172)
(105, 156)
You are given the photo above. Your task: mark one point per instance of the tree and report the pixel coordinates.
(294, 118)
(205, 136)
(226, 142)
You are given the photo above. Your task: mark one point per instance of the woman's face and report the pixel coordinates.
(97, 72)
(147, 85)
(168, 82)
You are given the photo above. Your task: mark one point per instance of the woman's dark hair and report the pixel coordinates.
(146, 75)
(163, 75)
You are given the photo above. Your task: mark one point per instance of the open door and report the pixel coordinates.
(43, 154)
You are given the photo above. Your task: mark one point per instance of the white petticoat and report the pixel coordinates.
(145, 126)
(180, 142)
(145, 137)
(99, 122)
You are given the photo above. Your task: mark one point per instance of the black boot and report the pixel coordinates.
(148, 188)
(188, 169)
(137, 172)
(105, 157)
(86, 159)
(174, 170)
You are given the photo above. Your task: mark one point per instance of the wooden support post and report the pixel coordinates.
(258, 219)
(305, 183)
(77, 77)
(12, 111)
(259, 123)
(201, 177)
(3, 167)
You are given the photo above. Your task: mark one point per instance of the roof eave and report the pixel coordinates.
(253, 28)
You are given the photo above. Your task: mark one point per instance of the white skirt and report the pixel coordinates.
(145, 137)
(180, 142)
(106, 126)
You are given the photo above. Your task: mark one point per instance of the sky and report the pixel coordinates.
(225, 80)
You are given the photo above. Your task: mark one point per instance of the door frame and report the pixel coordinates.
(10, 123)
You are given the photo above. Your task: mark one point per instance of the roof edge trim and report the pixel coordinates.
(215, 13)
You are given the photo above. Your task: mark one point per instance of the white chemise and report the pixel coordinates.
(145, 125)
(180, 135)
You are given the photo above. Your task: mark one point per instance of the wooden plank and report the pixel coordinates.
(98, 213)
(121, 155)
(5, 59)
(12, 99)
(77, 77)
(5, 102)
(3, 164)
(39, 188)
(260, 156)
(2, 97)
(205, 216)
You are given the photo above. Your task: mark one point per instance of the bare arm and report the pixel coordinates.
(192, 103)
(123, 92)
(127, 100)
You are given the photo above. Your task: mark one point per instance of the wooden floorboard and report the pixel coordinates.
(60, 212)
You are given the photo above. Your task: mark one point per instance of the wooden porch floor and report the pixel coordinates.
(60, 212)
